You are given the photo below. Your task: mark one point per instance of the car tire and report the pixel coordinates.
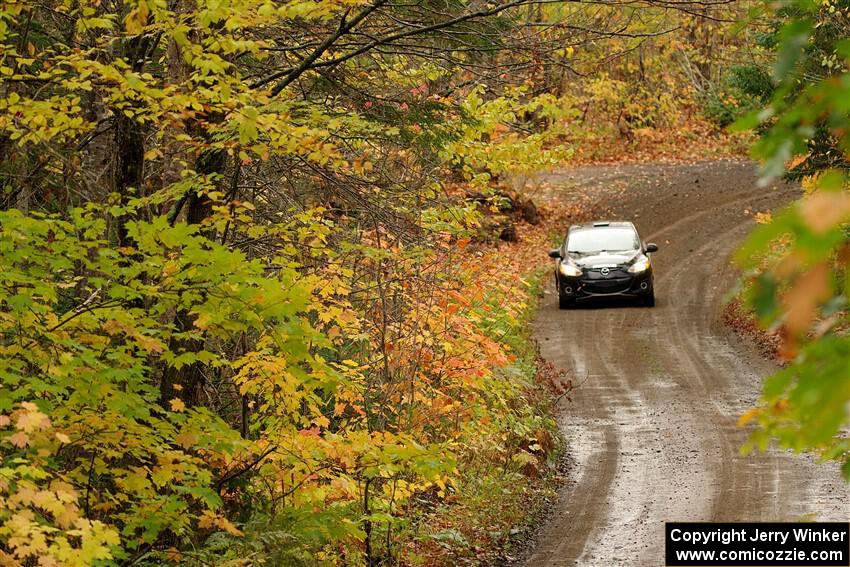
(649, 300)
(565, 302)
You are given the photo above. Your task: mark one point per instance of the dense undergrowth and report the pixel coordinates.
(358, 469)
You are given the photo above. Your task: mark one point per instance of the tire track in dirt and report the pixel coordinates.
(651, 431)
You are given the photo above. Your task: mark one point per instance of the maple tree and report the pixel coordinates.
(796, 263)
(237, 320)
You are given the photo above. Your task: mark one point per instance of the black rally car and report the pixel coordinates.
(603, 259)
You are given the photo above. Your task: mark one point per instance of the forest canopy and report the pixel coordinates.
(251, 305)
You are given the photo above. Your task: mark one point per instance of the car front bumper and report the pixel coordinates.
(584, 287)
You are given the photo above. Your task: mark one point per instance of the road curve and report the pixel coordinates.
(651, 429)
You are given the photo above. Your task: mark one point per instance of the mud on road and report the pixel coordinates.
(651, 429)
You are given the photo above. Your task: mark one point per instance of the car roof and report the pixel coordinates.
(603, 224)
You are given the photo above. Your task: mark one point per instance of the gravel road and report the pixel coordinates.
(651, 429)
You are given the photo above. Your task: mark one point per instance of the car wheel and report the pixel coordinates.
(649, 300)
(565, 302)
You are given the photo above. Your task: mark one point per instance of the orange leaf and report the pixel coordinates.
(748, 416)
(186, 440)
(822, 210)
(810, 289)
(19, 439)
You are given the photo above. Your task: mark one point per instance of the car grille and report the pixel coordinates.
(606, 285)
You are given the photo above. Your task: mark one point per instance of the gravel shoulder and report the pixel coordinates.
(651, 428)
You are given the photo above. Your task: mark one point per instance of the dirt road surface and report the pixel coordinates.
(651, 429)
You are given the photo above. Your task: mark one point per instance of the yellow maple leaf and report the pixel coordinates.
(228, 526)
(207, 520)
(187, 439)
(202, 321)
(173, 555)
(177, 404)
(150, 344)
(32, 420)
(113, 327)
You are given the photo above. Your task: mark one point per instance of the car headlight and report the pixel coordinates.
(641, 265)
(570, 270)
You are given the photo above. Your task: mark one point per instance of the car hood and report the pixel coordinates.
(604, 259)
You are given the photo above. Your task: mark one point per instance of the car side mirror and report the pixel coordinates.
(555, 253)
(651, 247)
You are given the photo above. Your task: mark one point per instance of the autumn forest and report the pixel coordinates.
(268, 267)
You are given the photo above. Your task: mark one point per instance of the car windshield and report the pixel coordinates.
(607, 239)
